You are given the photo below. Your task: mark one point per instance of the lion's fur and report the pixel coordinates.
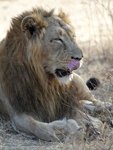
(31, 89)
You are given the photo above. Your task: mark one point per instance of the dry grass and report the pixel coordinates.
(95, 37)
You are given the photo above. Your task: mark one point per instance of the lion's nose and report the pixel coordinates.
(78, 58)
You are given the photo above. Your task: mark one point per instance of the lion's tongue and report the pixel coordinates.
(73, 64)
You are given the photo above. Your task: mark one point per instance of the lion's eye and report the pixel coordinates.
(60, 40)
(57, 40)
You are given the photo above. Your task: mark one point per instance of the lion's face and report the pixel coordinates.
(61, 54)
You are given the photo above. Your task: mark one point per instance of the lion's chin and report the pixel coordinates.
(65, 79)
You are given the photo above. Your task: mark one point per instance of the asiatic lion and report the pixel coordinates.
(38, 84)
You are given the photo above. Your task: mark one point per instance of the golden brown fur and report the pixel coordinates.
(32, 90)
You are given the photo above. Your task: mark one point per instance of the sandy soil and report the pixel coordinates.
(9, 140)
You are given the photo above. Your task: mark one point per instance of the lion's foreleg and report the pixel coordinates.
(53, 131)
(94, 125)
(27, 125)
(82, 90)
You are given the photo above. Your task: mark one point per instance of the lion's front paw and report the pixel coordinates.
(96, 107)
(88, 106)
(60, 130)
(102, 105)
(75, 131)
(93, 128)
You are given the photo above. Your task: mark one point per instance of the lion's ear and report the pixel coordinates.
(33, 25)
(29, 26)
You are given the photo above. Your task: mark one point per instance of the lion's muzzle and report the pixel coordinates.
(72, 65)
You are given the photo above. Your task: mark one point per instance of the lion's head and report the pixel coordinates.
(51, 39)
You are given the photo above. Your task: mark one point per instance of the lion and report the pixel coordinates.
(39, 88)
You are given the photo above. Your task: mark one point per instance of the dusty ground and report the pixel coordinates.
(94, 31)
